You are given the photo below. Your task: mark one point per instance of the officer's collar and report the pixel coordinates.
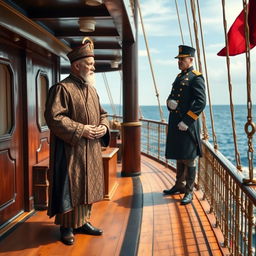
(187, 70)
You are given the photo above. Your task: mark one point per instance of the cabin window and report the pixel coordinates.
(5, 99)
(42, 90)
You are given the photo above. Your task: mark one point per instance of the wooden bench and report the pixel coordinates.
(41, 183)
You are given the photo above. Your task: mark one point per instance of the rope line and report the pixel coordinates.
(249, 126)
(109, 93)
(190, 33)
(178, 16)
(237, 154)
(207, 79)
(193, 9)
(151, 65)
(121, 91)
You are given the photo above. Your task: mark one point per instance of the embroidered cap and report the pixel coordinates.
(82, 51)
(186, 51)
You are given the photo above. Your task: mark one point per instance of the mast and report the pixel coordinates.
(131, 127)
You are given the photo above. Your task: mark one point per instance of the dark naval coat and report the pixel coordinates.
(188, 90)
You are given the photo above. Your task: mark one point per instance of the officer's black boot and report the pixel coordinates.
(190, 180)
(179, 184)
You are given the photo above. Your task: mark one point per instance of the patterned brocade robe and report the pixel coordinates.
(76, 168)
(188, 90)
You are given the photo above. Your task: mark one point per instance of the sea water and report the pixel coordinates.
(222, 125)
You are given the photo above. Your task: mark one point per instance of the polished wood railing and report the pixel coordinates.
(231, 201)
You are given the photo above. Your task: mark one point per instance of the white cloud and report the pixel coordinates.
(143, 53)
(169, 63)
(157, 18)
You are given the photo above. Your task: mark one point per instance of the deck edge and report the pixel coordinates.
(132, 233)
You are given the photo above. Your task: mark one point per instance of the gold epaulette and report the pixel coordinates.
(197, 73)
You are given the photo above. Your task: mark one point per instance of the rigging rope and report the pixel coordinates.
(178, 15)
(207, 80)
(249, 126)
(109, 93)
(237, 154)
(193, 9)
(151, 66)
(120, 95)
(190, 33)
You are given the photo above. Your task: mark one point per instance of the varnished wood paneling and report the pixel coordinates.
(11, 144)
(8, 179)
(38, 61)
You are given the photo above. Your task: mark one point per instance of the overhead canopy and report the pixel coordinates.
(58, 22)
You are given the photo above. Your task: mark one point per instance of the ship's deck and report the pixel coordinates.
(167, 228)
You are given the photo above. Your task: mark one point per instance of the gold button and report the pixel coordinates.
(178, 95)
(180, 89)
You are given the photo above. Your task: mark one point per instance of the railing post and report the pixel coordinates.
(250, 226)
(158, 155)
(147, 137)
(226, 207)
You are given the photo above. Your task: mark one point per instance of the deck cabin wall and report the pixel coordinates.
(27, 143)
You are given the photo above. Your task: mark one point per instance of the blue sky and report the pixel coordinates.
(161, 24)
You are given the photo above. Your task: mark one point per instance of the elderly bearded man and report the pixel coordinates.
(78, 127)
(185, 103)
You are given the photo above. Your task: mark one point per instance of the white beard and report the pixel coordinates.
(90, 79)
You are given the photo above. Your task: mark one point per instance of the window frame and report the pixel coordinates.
(38, 76)
(8, 135)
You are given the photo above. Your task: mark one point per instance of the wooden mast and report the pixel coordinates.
(131, 127)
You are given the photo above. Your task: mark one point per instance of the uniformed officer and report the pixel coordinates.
(185, 103)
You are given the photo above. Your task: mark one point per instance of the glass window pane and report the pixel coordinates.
(5, 100)
(42, 94)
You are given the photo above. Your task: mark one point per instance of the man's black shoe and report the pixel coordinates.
(187, 199)
(174, 190)
(66, 235)
(89, 229)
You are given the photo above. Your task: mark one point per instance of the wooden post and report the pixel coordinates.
(131, 127)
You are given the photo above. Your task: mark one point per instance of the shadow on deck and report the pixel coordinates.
(166, 227)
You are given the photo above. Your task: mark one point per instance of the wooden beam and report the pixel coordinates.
(74, 12)
(101, 45)
(18, 23)
(99, 68)
(98, 32)
(118, 11)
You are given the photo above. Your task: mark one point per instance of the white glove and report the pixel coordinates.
(182, 126)
(172, 104)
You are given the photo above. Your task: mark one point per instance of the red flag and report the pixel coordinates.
(236, 34)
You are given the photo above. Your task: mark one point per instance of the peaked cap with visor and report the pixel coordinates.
(185, 51)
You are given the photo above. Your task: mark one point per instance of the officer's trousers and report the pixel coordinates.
(186, 174)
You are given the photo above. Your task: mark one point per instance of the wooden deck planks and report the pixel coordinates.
(172, 229)
(39, 236)
(168, 228)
